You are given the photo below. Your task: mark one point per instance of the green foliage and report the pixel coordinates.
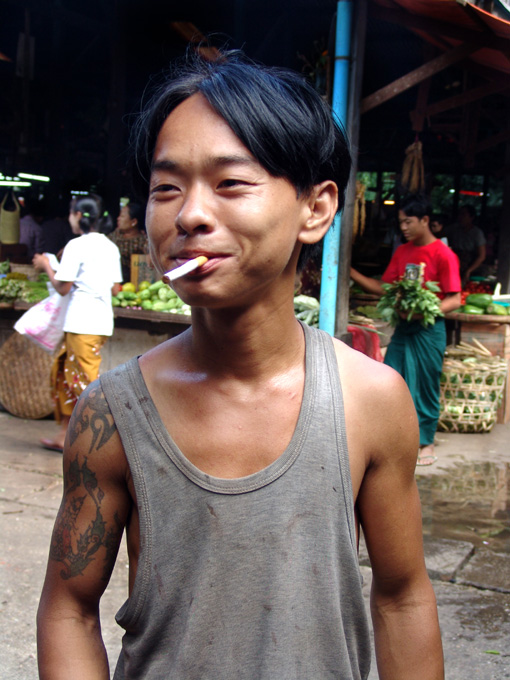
(410, 300)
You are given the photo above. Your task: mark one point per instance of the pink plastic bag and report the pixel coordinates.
(44, 322)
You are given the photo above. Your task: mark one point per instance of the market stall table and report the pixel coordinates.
(135, 332)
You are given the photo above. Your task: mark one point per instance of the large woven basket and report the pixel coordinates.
(472, 388)
(25, 378)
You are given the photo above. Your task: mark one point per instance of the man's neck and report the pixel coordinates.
(424, 240)
(246, 344)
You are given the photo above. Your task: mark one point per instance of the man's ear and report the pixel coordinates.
(321, 206)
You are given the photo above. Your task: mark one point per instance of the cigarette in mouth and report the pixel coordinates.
(185, 268)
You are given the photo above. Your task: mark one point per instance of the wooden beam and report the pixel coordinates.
(434, 27)
(418, 75)
(467, 97)
(418, 115)
(495, 140)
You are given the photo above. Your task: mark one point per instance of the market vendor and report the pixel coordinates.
(416, 351)
(468, 243)
(129, 236)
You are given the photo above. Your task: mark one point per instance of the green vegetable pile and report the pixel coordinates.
(370, 311)
(307, 309)
(14, 288)
(414, 299)
(482, 303)
(158, 297)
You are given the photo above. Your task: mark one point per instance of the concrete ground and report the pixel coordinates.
(470, 577)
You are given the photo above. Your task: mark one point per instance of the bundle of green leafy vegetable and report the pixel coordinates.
(412, 299)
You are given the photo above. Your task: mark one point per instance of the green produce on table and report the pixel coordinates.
(369, 310)
(473, 309)
(33, 291)
(147, 304)
(10, 290)
(412, 299)
(156, 285)
(482, 300)
(165, 293)
(145, 294)
(5, 267)
(306, 309)
(497, 310)
(115, 301)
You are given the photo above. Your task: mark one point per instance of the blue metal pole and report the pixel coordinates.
(329, 279)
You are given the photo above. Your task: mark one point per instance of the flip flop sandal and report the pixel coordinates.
(427, 459)
(51, 446)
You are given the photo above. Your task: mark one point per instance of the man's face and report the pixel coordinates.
(413, 228)
(209, 196)
(464, 218)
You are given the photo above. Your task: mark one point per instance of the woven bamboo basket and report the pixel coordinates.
(471, 391)
(25, 378)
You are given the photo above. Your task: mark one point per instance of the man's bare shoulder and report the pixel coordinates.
(93, 434)
(380, 414)
(364, 376)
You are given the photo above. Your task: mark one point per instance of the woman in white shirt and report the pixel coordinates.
(89, 272)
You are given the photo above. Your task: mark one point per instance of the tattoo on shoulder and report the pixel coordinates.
(76, 548)
(92, 413)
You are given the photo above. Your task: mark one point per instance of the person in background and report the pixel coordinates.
(130, 236)
(437, 227)
(30, 231)
(242, 455)
(89, 272)
(468, 242)
(415, 351)
(56, 231)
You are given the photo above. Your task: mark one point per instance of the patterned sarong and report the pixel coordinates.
(76, 365)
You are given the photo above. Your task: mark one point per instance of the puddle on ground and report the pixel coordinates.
(468, 502)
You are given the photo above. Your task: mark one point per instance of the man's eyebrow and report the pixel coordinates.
(214, 161)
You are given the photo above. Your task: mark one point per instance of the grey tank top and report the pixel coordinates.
(254, 578)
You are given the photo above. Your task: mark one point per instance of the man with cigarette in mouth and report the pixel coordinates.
(242, 456)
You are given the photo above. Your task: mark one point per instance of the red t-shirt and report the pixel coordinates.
(441, 265)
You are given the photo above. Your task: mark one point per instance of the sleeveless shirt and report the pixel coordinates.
(254, 578)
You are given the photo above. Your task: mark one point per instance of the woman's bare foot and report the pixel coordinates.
(57, 443)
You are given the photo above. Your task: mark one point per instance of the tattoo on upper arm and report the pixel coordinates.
(95, 414)
(75, 549)
(72, 544)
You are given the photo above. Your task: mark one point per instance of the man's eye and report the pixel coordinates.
(226, 183)
(161, 188)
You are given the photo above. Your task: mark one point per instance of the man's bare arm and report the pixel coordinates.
(368, 284)
(404, 612)
(84, 544)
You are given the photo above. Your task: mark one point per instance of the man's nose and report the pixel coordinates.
(196, 212)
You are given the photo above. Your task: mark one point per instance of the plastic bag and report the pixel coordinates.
(44, 322)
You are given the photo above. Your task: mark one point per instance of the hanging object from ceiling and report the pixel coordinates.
(413, 173)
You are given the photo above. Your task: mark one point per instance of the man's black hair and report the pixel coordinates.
(275, 113)
(416, 205)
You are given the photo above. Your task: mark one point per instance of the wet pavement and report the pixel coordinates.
(466, 525)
